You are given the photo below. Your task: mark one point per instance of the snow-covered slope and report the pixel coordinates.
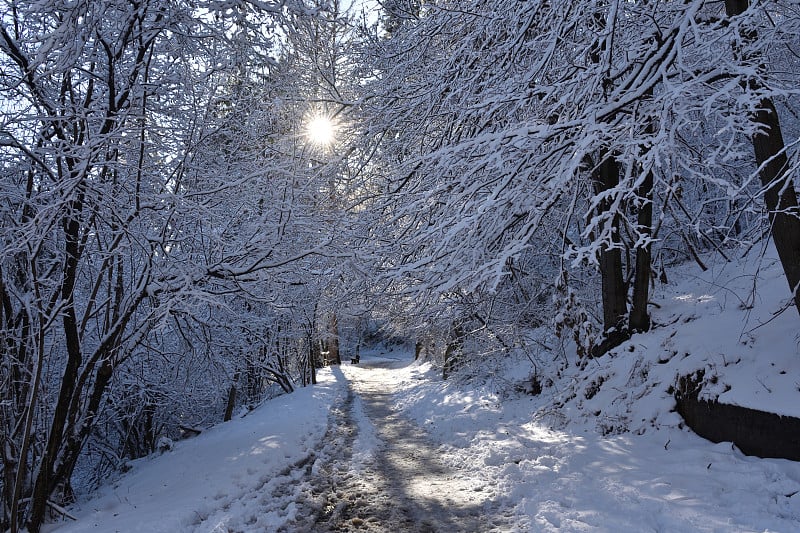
(601, 448)
(236, 476)
(576, 479)
(735, 322)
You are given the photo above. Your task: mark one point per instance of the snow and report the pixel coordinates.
(367, 440)
(579, 480)
(600, 449)
(221, 480)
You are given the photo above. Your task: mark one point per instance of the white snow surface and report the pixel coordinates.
(221, 480)
(600, 449)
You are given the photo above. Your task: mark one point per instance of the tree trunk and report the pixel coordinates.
(333, 340)
(231, 403)
(780, 197)
(614, 293)
(605, 178)
(453, 355)
(313, 358)
(640, 319)
(313, 373)
(45, 480)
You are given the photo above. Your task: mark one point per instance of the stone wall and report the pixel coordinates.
(754, 432)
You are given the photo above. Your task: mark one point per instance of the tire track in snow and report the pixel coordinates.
(317, 500)
(384, 474)
(284, 497)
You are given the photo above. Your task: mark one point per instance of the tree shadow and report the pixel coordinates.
(404, 485)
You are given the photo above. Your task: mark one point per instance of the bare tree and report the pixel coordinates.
(774, 170)
(107, 109)
(493, 120)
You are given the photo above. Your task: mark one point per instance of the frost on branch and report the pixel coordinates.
(571, 316)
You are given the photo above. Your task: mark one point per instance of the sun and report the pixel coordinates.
(320, 130)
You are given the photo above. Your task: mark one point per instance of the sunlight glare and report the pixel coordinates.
(320, 130)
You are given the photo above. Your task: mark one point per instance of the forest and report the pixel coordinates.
(205, 202)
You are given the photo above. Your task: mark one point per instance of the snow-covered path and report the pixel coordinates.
(335, 457)
(387, 446)
(391, 476)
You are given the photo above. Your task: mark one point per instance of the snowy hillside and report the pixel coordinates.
(598, 450)
(237, 475)
(648, 473)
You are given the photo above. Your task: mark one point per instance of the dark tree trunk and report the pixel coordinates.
(736, 7)
(640, 319)
(333, 340)
(313, 358)
(606, 177)
(614, 293)
(453, 352)
(45, 479)
(780, 197)
(231, 403)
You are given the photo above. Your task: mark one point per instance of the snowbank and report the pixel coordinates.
(601, 448)
(235, 476)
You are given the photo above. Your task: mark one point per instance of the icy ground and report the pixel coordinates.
(599, 449)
